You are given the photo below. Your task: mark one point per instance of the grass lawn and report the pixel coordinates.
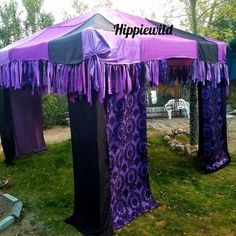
(192, 203)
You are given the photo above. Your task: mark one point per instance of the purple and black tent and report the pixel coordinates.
(104, 77)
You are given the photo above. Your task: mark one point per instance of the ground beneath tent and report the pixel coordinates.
(56, 134)
(29, 223)
(162, 126)
(5, 207)
(232, 135)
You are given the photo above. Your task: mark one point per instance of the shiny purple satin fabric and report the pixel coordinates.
(35, 47)
(121, 49)
(103, 52)
(93, 73)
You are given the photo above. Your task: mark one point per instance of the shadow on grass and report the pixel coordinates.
(173, 163)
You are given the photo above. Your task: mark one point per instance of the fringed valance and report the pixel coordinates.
(105, 78)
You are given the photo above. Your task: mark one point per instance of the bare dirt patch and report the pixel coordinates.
(56, 134)
(165, 126)
(232, 135)
(28, 224)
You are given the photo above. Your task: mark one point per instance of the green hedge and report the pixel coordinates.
(232, 98)
(55, 108)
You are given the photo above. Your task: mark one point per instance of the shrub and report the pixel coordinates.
(164, 99)
(54, 110)
(232, 98)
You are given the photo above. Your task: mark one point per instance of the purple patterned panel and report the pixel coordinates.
(213, 135)
(130, 189)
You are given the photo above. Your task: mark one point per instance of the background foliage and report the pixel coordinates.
(232, 97)
(15, 25)
(54, 110)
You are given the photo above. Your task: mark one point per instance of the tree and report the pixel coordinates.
(103, 4)
(80, 7)
(223, 23)
(216, 17)
(10, 26)
(35, 18)
(45, 20)
(193, 86)
(32, 10)
(193, 21)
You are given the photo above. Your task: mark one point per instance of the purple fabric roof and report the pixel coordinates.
(70, 58)
(121, 50)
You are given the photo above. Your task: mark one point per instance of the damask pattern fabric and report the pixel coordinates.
(127, 145)
(213, 134)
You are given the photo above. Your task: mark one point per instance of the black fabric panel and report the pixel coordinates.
(207, 51)
(68, 49)
(200, 122)
(6, 127)
(105, 206)
(27, 121)
(92, 213)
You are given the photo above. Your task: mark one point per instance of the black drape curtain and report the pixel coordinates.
(92, 212)
(6, 126)
(27, 121)
(21, 123)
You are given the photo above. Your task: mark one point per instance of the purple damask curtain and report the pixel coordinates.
(212, 125)
(127, 145)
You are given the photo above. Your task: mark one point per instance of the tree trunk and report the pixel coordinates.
(193, 113)
(193, 86)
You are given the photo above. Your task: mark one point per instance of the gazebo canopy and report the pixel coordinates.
(88, 45)
(80, 38)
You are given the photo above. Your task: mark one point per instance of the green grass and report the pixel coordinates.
(192, 203)
(182, 138)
